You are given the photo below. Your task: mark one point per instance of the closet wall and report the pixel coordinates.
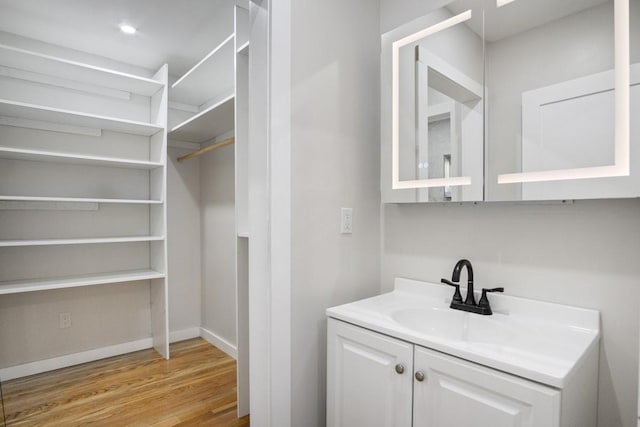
(217, 176)
(184, 235)
(202, 252)
(203, 113)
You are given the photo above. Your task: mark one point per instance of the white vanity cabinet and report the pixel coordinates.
(376, 380)
(369, 378)
(405, 358)
(458, 393)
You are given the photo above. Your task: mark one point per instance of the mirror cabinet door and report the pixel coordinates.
(433, 109)
(555, 105)
(505, 100)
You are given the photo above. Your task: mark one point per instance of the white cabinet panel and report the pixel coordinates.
(363, 385)
(457, 393)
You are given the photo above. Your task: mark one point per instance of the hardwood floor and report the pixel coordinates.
(1, 407)
(196, 387)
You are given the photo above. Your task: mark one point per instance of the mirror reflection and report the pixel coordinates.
(549, 72)
(438, 141)
(550, 79)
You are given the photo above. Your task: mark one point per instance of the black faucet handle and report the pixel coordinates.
(457, 296)
(484, 301)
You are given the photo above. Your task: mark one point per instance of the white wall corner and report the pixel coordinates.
(219, 342)
(184, 334)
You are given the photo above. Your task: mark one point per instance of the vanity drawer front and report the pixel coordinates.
(369, 378)
(457, 393)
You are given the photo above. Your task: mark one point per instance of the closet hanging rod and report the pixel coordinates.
(212, 147)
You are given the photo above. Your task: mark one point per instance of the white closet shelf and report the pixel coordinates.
(78, 200)
(206, 125)
(79, 241)
(76, 71)
(81, 159)
(74, 118)
(20, 286)
(244, 48)
(209, 78)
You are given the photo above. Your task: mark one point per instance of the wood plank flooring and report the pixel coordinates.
(196, 387)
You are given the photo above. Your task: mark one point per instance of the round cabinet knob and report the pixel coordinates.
(420, 376)
(400, 368)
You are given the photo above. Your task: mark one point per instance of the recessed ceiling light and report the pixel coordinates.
(127, 29)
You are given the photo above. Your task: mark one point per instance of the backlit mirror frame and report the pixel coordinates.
(396, 183)
(622, 100)
(622, 106)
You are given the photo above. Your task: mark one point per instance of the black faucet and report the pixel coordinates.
(455, 277)
(469, 303)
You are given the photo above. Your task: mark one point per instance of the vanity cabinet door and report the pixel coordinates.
(456, 393)
(369, 378)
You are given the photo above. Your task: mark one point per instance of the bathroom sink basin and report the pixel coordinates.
(435, 321)
(455, 325)
(540, 341)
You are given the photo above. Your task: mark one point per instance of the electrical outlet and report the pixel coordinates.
(64, 320)
(346, 221)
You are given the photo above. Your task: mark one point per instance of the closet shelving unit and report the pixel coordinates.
(84, 241)
(215, 94)
(77, 72)
(79, 200)
(30, 112)
(21, 286)
(208, 87)
(241, 50)
(78, 159)
(82, 169)
(242, 125)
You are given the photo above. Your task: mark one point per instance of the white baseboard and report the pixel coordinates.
(184, 334)
(219, 342)
(67, 360)
(40, 366)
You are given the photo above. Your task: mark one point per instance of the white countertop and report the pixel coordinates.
(536, 340)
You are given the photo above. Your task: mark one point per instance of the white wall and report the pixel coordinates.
(335, 52)
(217, 194)
(583, 254)
(313, 148)
(100, 316)
(183, 235)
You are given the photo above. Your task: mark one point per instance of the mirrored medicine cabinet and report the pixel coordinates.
(508, 100)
